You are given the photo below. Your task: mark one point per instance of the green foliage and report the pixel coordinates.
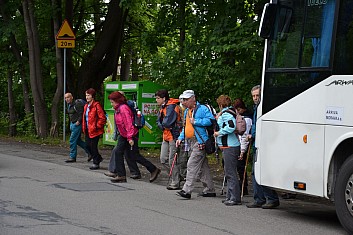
(26, 126)
(220, 54)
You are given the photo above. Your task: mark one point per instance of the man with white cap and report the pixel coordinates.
(197, 118)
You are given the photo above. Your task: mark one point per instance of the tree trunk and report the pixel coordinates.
(12, 110)
(17, 53)
(40, 111)
(102, 60)
(134, 66)
(54, 127)
(125, 67)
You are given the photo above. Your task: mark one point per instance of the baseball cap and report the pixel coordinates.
(187, 94)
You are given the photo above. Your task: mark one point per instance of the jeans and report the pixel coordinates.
(262, 194)
(75, 139)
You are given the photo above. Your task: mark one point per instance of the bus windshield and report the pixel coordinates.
(299, 49)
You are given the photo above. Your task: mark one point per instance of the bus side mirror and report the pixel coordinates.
(267, 20)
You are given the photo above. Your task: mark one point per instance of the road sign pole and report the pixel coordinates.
(65, 38)
(64, 127)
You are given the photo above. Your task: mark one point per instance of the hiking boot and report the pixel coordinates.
(155, 174)
(207, 194)
(184, 194)
(270, 205)
(119, 179)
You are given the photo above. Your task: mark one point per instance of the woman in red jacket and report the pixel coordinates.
(127, 140)
(94, 120)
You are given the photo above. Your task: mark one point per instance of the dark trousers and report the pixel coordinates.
(92, 146)
(134, 170)
(132, 153)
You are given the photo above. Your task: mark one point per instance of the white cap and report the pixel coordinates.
(187, 94)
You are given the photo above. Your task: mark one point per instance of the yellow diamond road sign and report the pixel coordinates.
(65, 37)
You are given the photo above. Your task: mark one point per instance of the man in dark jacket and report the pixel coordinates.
(75, 111)
(264, 197)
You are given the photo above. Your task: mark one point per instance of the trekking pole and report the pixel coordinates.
(246, 164)
(224, 182)
(172, 167)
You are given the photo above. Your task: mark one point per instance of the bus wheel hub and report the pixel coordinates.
(349, 194)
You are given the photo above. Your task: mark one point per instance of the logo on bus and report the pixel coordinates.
(341, 83)
(316, 2)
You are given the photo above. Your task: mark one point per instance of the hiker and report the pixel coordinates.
(75, 111)
(197, 117)
(94, 120)
(229, 144)
(240, 108)
(184, 148)
(127, 140)
(169, 122)
(264, 197)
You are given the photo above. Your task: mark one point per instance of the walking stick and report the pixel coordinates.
(246, 164)
(172, 167)
(224, 182)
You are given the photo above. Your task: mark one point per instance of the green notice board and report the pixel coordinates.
(143, 93)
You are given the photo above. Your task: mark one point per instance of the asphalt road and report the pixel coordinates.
(40, 194)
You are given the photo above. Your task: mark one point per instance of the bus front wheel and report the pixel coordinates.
(344, 195)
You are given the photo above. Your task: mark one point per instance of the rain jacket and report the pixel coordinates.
(124, 121)
(227, 136)
(96, 120)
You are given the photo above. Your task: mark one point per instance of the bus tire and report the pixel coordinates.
(344, 195)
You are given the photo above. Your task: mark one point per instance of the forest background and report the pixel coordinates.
(210, 46)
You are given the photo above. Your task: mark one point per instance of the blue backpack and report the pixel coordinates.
(139, 118)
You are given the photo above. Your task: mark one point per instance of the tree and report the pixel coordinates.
(40, 111)
(102, 60)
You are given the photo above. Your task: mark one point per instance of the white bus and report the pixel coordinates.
(304, 132)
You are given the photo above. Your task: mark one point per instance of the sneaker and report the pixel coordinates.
(224, 200)
(94, 167)
(270, 205)
(232, 203)
(70, 160)
(184, 194)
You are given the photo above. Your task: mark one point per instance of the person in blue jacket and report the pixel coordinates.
(228, 142)
(197, 117)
